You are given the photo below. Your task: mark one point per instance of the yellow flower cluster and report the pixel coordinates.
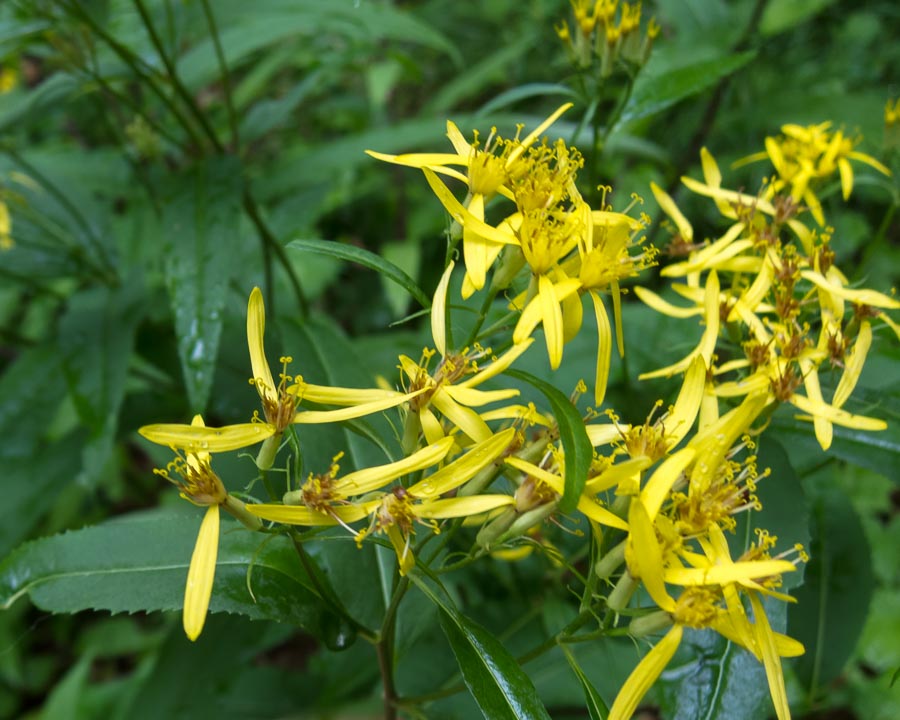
(775, 305)
(608, 30)
(661, 497)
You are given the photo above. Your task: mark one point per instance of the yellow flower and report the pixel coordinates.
(280, 401)
(488, 171)
(193, 475)
(707, 344)
(451, 387)
(394, 512)
(803, 156)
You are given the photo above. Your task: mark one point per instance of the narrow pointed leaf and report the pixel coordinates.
(575, 441)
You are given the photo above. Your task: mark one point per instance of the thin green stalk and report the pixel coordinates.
(179, 87)
(106, 271)
(385, 649)
(324, 592)
(135, 64)
(271, 244)
(489, 298)
(226, 76)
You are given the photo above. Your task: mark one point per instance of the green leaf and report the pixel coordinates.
(833, 602)
(489, 70)
(32, 485)
(785, 508)
(709, 678)
(654, 93)
(252, 30)
(32, 389)
(97, 337)
(200, 226)
(366, 259)
(139, 562)
(327, 357)
(497, 682)
(523, 92)
(20, 105)
(781, 16)
(596, 708)
(576, 445)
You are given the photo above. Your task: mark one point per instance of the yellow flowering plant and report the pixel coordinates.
(582, 445)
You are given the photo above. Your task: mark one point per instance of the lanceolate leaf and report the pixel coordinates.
(711, 678)
(655, 92)
(576, 445)
(497, 682)
(200, 226)
(139, 563)
(367, 259)
(595, 706)
(833, 602)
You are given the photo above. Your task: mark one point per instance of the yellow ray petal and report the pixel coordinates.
(497, 366)
(461, 506)
(419, 160)
(853, 364)
(439, 312)
(536, 133)
(603, 434)
(668, 206)
(644, 675)
(651, 299)
(661, 482)
(202, 571)
(464, 418)
(207, 439)
(372, 478)
(596, 512)
(644, 555)
(300, 515)
(604, 349)
(863, 295)
(687, 404)
(463, 216)
(256, 327)
(473, 397)
(836, 415)
(464, 468)
(551, 316)
(312, 417)
(729, 573)
(774, 674)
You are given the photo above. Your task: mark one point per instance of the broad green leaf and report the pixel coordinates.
(200, 226)
(654, 93)
(31, 389)
(785, 508)
(523, 92)
(367, 259)
(712, 678)
(20, 105)
(833, 601)
(781, 16)
(139, 562)
(97, 337)
(497, 682)
(64, 701)
(251, 30)
(31, 485)
(493, 69)
(596, 708)
(576, 445)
